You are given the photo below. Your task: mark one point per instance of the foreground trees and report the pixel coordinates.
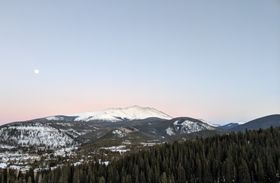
(242, 157)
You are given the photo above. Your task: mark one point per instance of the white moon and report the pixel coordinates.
(36, 71)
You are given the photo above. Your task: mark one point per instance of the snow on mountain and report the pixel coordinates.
(170, 131)
(187, 126)
(55, 118)
(119, 133)
(117, 114)
(3, 165)
(34, 134)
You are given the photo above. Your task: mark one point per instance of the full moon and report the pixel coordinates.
(36, 71)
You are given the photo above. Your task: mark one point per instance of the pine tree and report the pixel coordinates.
(243, 172)
(102, 180)
(260, 171)
(270, 169)
(229, 170)
(181, 174)
(163, 178)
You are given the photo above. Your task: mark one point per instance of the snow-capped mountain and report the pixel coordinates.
(64, 131)
(115, 115)
(187, 126)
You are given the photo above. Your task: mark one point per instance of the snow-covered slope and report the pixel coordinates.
(116, 114)
(35, 134)
(187, 126)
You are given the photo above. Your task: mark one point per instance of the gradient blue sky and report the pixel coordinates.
(218, 60)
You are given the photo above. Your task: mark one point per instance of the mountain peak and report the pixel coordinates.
(117, 114)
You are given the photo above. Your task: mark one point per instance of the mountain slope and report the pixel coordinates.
(186, 125)
(228, 126)
(115, 115)
(263, 122)
(55, 134)
(34, 134)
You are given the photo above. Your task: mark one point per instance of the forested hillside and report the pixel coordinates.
(252, 156)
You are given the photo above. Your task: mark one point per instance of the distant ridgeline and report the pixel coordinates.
(252, 156)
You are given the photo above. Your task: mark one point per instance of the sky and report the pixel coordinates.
(214, 60)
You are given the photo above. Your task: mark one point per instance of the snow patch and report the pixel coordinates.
(149, 144)
(55, 118)
(120, 149)
(2, 146)
(65, 151)
(119, 133)
(106, 163)
(3, 165)
(170, 131)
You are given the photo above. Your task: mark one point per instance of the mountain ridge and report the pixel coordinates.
(129, 122)
(114, 114)
(261, 122)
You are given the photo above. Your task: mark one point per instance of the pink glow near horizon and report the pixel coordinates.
(22, 113)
